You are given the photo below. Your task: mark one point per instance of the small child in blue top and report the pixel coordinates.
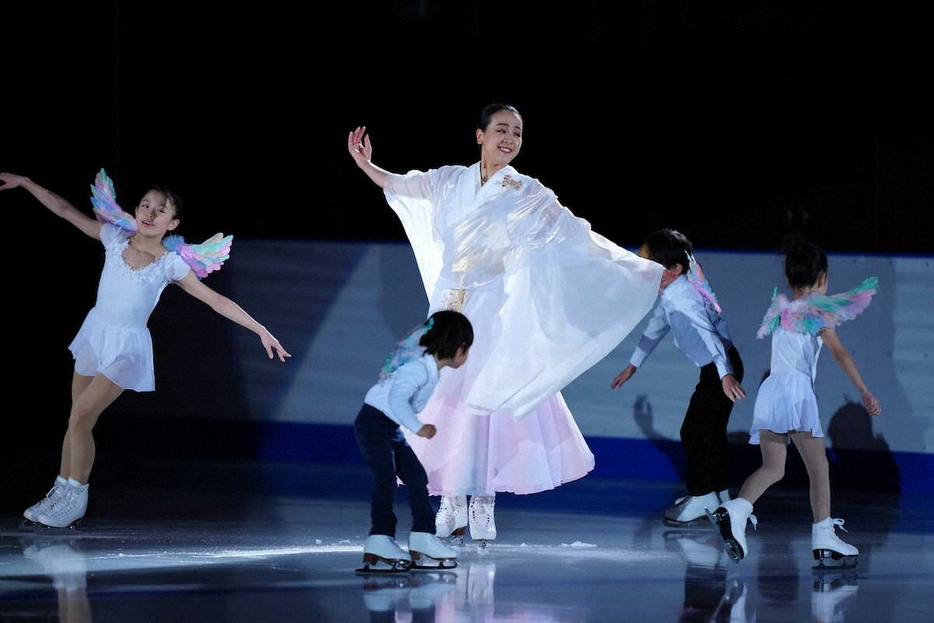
(405, 384)
(689, 309)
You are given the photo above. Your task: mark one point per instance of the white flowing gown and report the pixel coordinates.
(548, 298)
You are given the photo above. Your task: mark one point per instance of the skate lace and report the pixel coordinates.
(65, 503)
(839, 523)
(754, 521)
(49, 499)
(482, 510)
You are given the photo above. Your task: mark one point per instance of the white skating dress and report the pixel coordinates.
(786, 400)
(548, 298)
(114, 339)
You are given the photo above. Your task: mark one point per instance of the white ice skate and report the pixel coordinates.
(480, 518)
(826, 544)
(32, 513)
(451, 520)
(67, 509)
(729, 520)
(691, 508)
(428, 552)
(381, 553)
(724, 496)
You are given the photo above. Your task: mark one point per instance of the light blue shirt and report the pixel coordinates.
(404, 393)
(698, 330)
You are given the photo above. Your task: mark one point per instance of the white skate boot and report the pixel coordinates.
(690, 508)
(480, 518)
(729, 520)
(67, 509)
(32, 513)
(826, 544)
(428, 552)
(381, 553)
(724, 496)
(451, 520)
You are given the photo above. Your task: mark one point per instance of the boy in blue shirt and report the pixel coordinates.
(688, 308)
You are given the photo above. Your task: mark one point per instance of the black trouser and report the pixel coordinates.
(703, 432)
(389, 456)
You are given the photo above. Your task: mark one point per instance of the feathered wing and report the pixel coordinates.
(106, 208)
(406, 349)
(698, 279)
(203, 258)
(816, 312)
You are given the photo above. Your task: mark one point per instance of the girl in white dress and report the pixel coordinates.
(785, 410)
(548, 298)
(113, 347)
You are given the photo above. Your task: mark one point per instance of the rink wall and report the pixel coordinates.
(338, 307)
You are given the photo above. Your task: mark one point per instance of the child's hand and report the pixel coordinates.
(427, 431)
(623, 376)
(273, 347)
(10, 181)
(869, 401)
(731, 387)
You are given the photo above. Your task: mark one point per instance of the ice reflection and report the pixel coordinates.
(63, 561)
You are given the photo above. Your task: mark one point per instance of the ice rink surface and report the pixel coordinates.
(233, 542)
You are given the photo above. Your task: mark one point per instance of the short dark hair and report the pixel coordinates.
(450, 330)
(669, 247)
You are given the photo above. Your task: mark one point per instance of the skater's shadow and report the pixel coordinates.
(64, 562)
(860, 459)
(671, 449)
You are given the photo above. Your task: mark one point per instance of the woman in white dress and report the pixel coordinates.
(548, 298)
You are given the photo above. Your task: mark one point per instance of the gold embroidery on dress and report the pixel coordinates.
(508, 182)
(454, 300)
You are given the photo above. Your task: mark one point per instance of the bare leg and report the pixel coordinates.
(90, 396)
(774, 448)
(814, 454)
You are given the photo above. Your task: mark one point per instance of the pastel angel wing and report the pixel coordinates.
(818, 311)
(406, 349)
(773, 315)
(106, 208)
(698, 279)
(203, 258)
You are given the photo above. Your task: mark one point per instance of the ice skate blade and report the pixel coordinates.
(692, 523)
(723, 530)
(420, 561)
(72, 528)
(374, 564)
(368, 568)
(828, 558)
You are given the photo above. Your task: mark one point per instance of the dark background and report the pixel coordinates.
(733, 121)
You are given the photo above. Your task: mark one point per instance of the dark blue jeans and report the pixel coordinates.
(389, 457)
